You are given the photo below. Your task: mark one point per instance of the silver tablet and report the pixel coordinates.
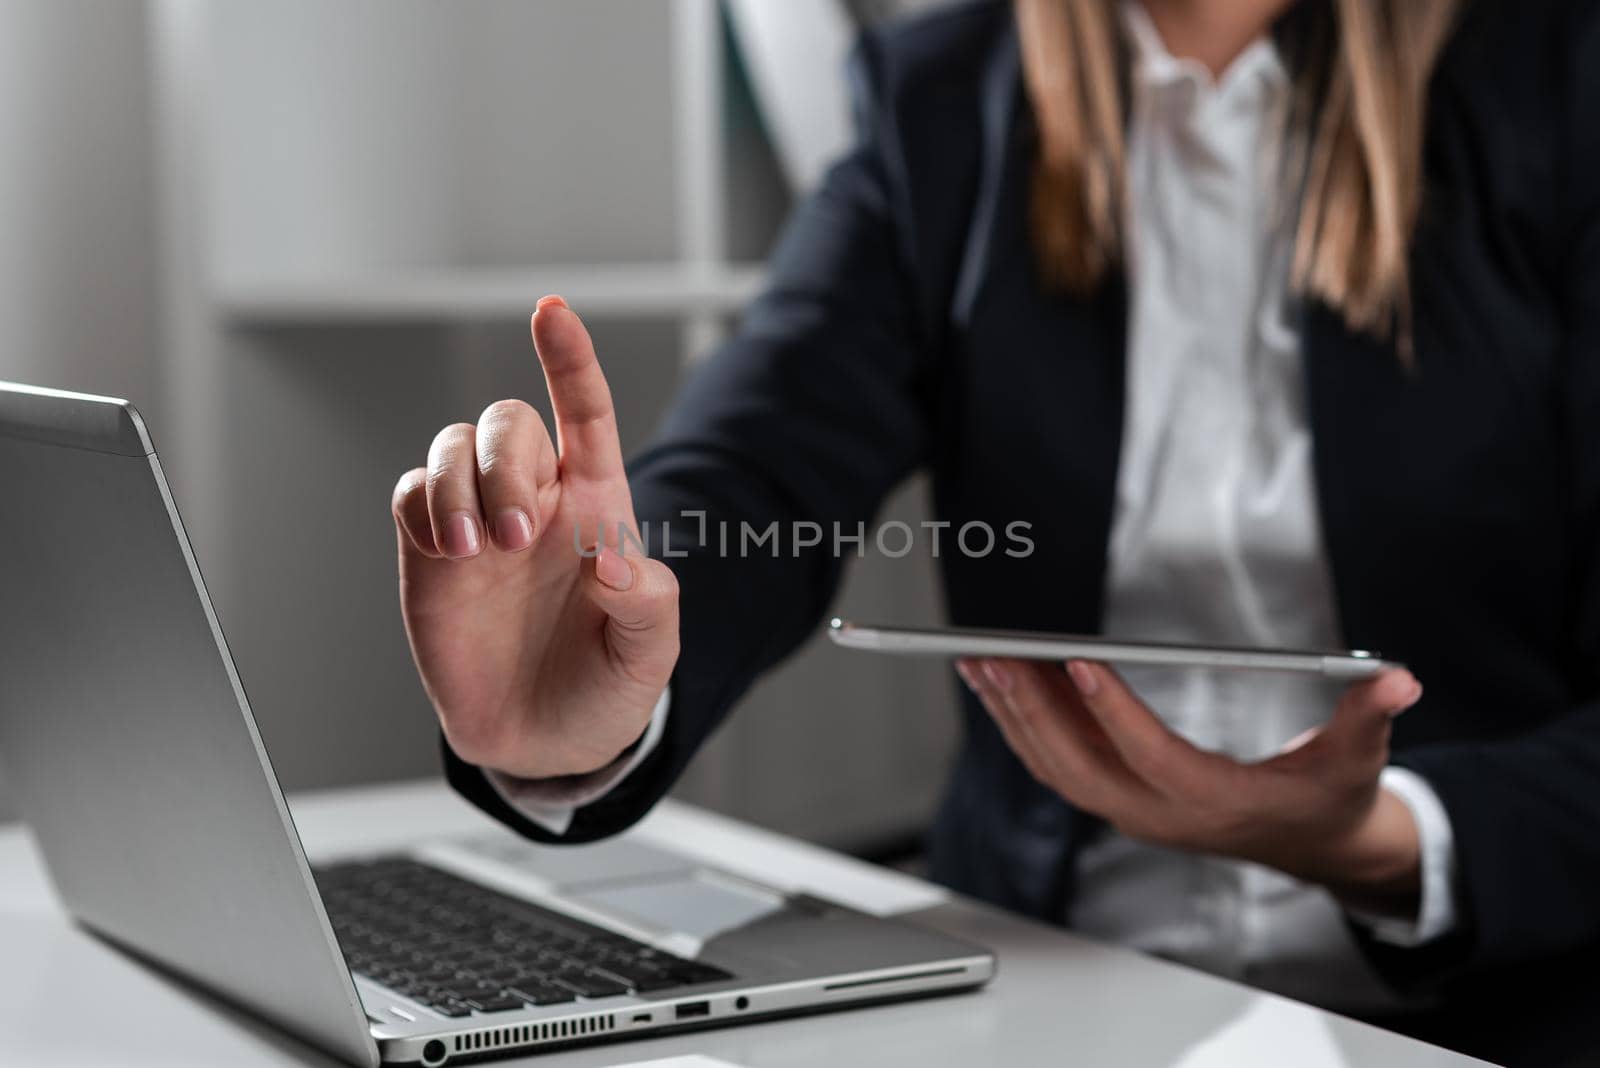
(1026, 645)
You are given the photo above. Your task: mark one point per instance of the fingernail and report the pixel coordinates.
(965, 671)
(461, 537)
(613, 570)
(999, 677)
(1083, 677)
(553, 300)
(513, 530)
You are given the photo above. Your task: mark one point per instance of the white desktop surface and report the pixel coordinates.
(67, 998)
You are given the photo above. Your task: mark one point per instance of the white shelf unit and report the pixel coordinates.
(408, 165)
(664, 290)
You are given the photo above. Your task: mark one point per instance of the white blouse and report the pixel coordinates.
(1216, 538)
(1216, 535)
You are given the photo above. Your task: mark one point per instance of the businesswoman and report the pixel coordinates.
(1278, 324)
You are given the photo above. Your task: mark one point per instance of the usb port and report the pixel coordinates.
(693, 1008)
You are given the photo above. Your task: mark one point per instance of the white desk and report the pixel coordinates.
(67, 998)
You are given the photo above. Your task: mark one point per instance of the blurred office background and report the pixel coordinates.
(304, 235)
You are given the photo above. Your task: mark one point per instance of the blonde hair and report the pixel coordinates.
(1356, 126)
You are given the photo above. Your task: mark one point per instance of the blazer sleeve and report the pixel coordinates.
(813, 412)
(1526, 809)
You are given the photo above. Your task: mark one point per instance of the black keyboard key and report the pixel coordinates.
(497, 1003)
(631, 969)
(450, 1007)
(540, 993)
(589, 984)
(604, 986)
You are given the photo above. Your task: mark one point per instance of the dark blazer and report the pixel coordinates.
(905, 327)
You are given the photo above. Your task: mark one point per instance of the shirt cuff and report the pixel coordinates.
(1437, 910)
(551, 803)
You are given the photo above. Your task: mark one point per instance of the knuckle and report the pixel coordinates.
(447, 443)
(442, 478)
(410, 485)
(497, 465)
(661, 606)
(663, 580)
(508, 410)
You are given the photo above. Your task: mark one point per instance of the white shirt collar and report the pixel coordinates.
(1155, 67)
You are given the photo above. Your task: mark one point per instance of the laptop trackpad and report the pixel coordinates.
(698, 903)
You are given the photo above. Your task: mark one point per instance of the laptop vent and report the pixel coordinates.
(529, 1034)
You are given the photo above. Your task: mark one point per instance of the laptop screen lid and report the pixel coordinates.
(126, 737)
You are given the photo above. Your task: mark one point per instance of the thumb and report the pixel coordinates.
(639, 596)
(1363, 713)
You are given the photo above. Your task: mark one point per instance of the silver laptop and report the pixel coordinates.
(129, 745)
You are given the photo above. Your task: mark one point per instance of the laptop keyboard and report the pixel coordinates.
(460, 948)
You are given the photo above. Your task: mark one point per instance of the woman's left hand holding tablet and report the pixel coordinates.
(1314, 810)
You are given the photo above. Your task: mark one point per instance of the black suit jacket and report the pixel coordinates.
(904, 326)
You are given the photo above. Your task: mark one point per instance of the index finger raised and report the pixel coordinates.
(586, 422)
